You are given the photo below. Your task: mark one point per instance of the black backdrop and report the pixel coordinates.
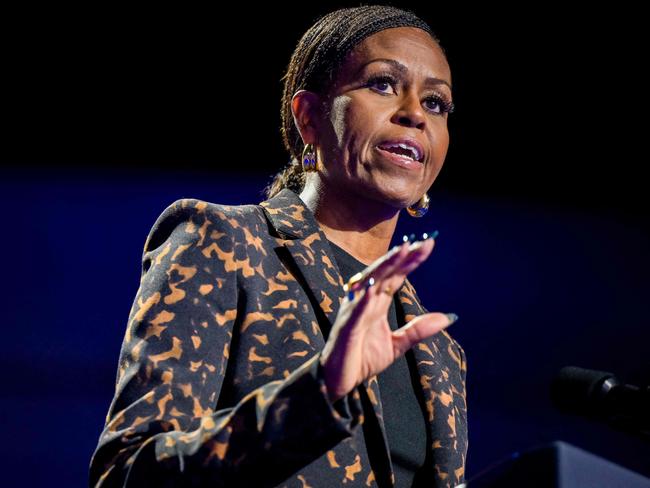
(551, 101)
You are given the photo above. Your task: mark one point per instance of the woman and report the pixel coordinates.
(262, 349)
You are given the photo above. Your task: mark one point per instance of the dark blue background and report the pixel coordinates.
(536, 289)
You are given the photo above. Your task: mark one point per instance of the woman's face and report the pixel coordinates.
(394, 86)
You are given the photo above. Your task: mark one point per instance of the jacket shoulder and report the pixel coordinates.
(193, 213)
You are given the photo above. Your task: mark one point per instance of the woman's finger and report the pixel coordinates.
(384, 293)
(418, 252)
(415, 259)
(389, 276)
(394, 277)
(420, 328)
(378, 269)
(392, 262)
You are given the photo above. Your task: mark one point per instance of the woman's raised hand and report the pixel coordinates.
(361, 343)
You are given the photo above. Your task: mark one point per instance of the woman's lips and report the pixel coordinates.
(398, 159)
(404, 143)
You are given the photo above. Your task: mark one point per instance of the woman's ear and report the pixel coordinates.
(306, 110)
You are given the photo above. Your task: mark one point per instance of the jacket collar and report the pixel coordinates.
(299, 231)
(296, 226)
(301, 235)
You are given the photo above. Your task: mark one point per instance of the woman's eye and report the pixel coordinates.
(382, 83)
(439, 105)
(434, 104)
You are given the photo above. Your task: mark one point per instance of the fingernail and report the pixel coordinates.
(371, 281)
(409, 238)
(416, 245)
(452, 318)
(430, 235)
(351, 295)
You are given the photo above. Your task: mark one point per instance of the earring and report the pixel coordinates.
(420, 208)
(309, 159)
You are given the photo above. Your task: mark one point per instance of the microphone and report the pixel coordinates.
(600, 395)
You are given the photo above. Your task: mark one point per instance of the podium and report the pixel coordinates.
(557, 465)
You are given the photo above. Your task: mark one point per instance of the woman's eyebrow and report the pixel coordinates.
(404, 70)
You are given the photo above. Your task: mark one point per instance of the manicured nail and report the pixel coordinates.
(353, 282)
(351, 295)
(431, 235)
(409, 238)
(452, 318)
(370, 282)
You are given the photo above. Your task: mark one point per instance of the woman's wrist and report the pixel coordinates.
(329, 384)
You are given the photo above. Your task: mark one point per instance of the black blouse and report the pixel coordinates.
(403, 414)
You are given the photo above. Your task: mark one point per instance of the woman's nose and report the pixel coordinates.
(410, 113)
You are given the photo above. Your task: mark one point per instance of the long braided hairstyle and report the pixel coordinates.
(314, 64)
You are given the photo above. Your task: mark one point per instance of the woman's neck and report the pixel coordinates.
(362, 229)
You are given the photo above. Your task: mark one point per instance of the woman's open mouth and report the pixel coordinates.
(400, 157)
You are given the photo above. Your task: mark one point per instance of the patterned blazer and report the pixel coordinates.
(219, 381)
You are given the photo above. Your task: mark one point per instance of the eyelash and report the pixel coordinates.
(446, 106)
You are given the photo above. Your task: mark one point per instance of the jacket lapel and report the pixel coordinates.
(303, 238)
(312, 255)
(438, 391)
(307, 245)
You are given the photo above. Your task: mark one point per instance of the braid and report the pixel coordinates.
(314, 64)
(291, 177)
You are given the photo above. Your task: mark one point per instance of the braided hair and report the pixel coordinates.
(314, 64)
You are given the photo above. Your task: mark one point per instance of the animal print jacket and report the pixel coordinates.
(219, 381)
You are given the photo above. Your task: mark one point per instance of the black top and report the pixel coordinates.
(403, 415)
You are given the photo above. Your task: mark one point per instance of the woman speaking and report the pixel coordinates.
(281, 344)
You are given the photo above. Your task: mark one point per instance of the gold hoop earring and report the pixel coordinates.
(309, 159)
(420, 208)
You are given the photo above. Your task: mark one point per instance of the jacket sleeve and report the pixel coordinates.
(162, 428)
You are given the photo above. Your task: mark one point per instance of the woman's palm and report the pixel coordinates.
(362, 343)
